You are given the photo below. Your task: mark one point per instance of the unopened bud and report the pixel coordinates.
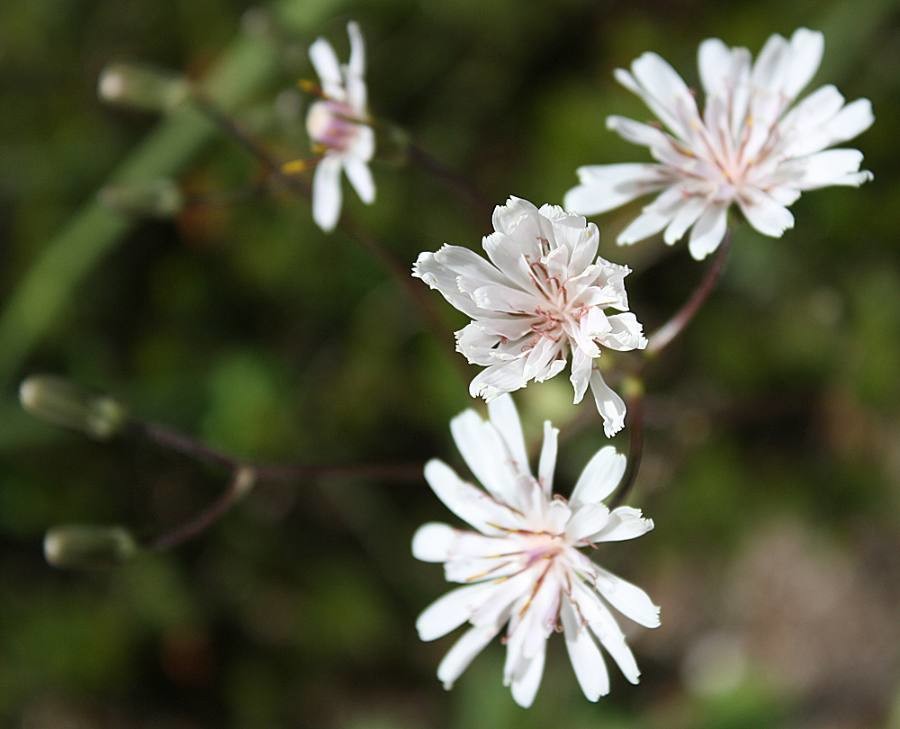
(142, 87)
(155, 198)
(81, 546)
(62, 403)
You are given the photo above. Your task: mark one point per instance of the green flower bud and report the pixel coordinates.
(62, 403)
(142, 87)
(155, 198)
(88, 547)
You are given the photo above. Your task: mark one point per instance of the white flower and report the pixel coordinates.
(337, 124)
(523, 565)
(541, 296)
(750, 147)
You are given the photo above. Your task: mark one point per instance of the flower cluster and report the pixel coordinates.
(751, 147)
(523, 566)
(543, 300)
(338, 126)
(541, 297)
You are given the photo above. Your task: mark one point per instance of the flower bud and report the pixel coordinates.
(59, 402)
(81, 546)
(155, 198)
(142, 87)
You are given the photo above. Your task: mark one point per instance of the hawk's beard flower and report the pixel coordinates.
(540, 298)
(751, 146)
(524, 567)
(338, 126)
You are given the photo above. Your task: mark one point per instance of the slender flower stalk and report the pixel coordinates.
(671, 329)
(522, 567)
(541, 297)
(752, 146)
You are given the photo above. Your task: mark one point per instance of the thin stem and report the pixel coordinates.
(172, 440)
(242, 482)
(234, 131)
(663, 336)
(635, 402)
(245, 475)
(460, 186)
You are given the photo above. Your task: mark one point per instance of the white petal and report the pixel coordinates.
(357, 62)
(430, 268)
(610, 406)
(505, 419)
(497, 297)
(463, 652)
(508, 255)
(765, 214)
(485, 454)
(806, 55)
(465, 500)
(451, 610)
(599, 478)
(604, 626)
(547, 463)
(496, 610)
(363, 147)
(605, 187)
(713, 60)
(628, 599)
(665, 92)
(624, 523)
(587, 662)
(625, 334)
(432, 542)
(708, 231)
(524, 687)
(587, 520)
(472, 269)
(653, 219)
(686, 216)
(815, 110)
(326, 192)
(772, 64)
(850, 121)
(360, 177)
(831, 167)
(581, 373)
(517, 213)
(499, 378)
(637, 132)
(327, 67)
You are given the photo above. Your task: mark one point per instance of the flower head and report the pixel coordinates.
(524, 567)
(542, 296)
(338, 126)
(752, 146)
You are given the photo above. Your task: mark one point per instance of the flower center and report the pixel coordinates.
(543, 546)
(550, 317)
(332, 124)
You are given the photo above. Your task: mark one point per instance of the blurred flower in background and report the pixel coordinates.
(338, 125)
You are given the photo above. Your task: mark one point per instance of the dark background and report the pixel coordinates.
(772, 461)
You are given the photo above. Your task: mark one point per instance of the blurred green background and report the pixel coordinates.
(772, 460)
